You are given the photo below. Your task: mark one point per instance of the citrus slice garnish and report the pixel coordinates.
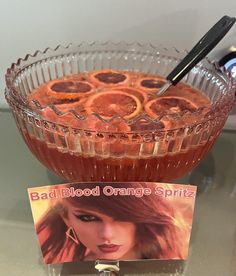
(187, 92)
(168, 105)
(142, 96)
(69, 89)
(112, 103)
(150, 84)
(109, 77)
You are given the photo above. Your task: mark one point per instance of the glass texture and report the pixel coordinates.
(82, 154)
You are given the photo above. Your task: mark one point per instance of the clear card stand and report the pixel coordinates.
(114, 268)
(107, 268)
(54, 269)
(103, 268)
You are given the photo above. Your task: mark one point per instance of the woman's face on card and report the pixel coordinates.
(104, 237)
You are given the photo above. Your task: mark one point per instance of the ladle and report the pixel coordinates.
(198, 52)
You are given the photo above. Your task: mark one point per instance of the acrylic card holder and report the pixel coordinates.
(104, 224)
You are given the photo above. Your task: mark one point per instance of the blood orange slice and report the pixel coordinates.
(142, 96)
(168, 105)
(109, 77)
(150, 84)
(187, 92)
(113, 103)
(69, 89)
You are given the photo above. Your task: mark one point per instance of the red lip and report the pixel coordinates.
(109, 248)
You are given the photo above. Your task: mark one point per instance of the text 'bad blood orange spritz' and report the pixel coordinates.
(117, 129)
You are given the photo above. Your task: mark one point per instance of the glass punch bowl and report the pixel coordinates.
(85, 154)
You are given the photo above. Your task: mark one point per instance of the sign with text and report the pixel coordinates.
(113, 221)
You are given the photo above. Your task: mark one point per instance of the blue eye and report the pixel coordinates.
(87, 218)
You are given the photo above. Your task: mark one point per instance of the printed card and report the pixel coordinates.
(113, 221)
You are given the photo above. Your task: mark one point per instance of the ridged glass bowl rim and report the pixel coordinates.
(147, 48)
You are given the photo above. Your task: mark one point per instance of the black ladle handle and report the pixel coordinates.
(202, 48)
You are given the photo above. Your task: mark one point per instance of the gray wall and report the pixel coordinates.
(28, 25)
